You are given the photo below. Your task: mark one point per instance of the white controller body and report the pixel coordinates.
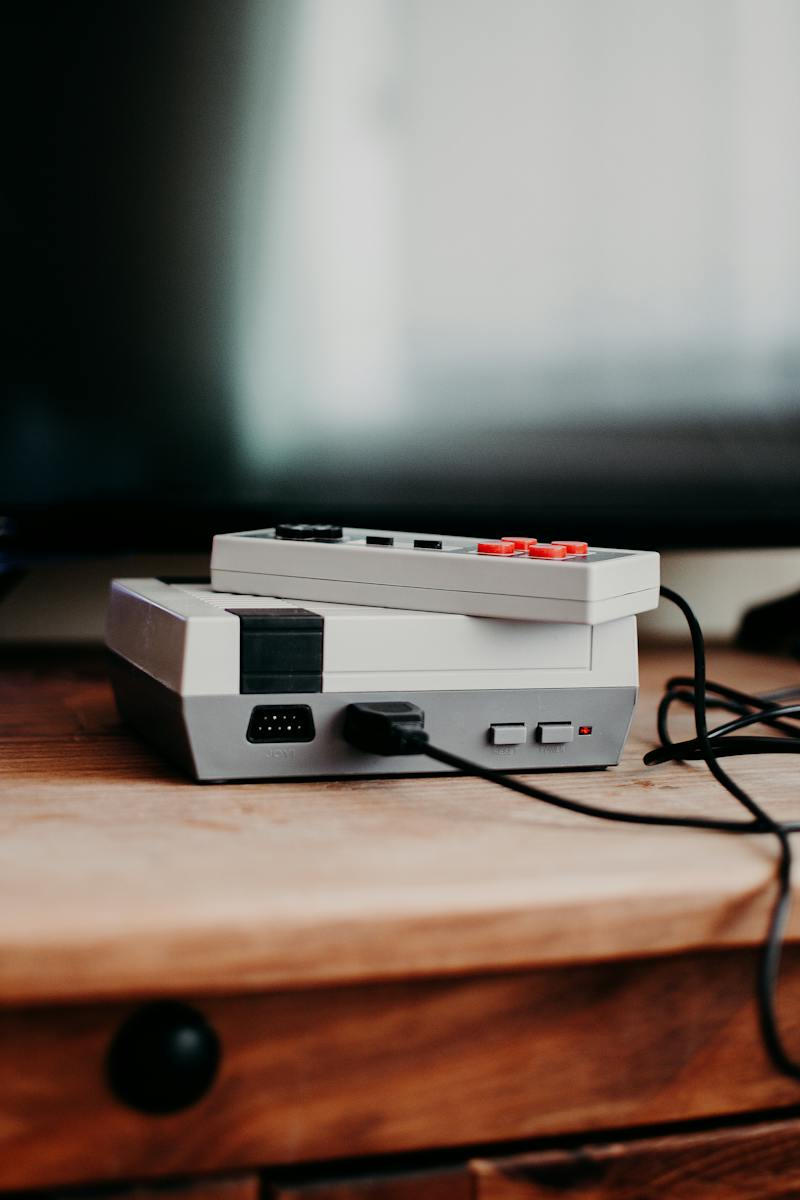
(586, 589)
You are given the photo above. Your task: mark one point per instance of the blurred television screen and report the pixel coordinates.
(461, 264)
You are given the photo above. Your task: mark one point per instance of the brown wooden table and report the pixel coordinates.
(421, 987)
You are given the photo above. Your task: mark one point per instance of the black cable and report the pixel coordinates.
(765, 700)
(689, 751)
(708, 746)
(784, 693)
(775, 717)
(690, 748)
(732, 699)
(419, 740)
(760, 718)
(769, 964)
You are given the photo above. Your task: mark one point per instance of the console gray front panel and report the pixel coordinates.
(206, 734)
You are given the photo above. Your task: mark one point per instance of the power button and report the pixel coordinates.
(551, 733)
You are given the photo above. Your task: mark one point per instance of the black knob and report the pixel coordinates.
(163, 1058)
(309, 533)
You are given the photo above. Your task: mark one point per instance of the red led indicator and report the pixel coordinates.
(583, 730)
(503, 548)
(574, 547)
(520, 543)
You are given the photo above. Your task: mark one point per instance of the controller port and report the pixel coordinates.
(281, 723)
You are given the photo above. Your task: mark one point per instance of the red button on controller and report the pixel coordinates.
(520, 543)
(574, 547)
(495, 548)
(546, 550)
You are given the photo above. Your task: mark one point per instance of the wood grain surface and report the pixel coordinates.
(760, 1162)
(346, 1072)
(226, 1187)
(757, 1162)
(456, 1183)
(118, 877)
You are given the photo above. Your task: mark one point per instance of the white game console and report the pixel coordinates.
(251, 687)
(517, 577)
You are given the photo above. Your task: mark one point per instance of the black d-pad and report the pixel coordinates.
(309, 533)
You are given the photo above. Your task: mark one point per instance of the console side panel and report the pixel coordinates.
(154, 711)
(206, 735)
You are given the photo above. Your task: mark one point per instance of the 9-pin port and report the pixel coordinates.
(281, 723)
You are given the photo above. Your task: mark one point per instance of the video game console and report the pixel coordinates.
(513, 577)
(231, 686)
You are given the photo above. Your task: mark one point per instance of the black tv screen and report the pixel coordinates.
(485, 265)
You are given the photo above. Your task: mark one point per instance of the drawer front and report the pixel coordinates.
(759, 1162)
(225, 1187)
(349, 1072)
(454, 1183)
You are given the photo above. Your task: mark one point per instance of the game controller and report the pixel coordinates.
(515, 577)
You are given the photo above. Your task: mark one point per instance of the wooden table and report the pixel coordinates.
(421, 987)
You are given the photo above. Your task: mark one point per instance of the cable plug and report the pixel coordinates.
(387, 727)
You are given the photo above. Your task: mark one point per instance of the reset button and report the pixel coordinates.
(513, 734)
